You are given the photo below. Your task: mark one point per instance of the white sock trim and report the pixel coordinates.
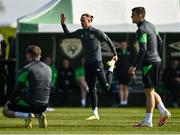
(21, 115)
(83, 102)
(95, 111)
(148, 117)
(161, 107)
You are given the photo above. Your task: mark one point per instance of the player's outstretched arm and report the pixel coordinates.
(65, 29)
(63, 18)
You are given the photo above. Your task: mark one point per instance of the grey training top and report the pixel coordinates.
(150, 44)
(36, 79)
(90, 39)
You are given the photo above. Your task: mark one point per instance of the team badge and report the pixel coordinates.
(71, 47)
(92, 36)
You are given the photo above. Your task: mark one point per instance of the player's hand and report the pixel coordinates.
(115, 58)
(63, 18)
(132, 71)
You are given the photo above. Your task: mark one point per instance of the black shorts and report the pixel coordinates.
(22, 106)
(123, 78)
(151, 77)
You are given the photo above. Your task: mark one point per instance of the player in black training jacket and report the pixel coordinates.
(90, 39)
(150, 46)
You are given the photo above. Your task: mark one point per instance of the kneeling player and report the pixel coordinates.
(31, 94)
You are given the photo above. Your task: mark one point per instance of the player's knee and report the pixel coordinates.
(5, 112)
(149, 91)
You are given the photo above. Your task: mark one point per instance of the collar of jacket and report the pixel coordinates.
(88, 28)
(140, 23)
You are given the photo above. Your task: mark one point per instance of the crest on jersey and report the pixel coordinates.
(71, 47)
(92, 36)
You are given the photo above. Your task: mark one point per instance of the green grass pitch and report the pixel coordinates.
(113, 121)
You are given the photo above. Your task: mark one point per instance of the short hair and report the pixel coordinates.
(89, 16)
(140, 10)
(34, 51)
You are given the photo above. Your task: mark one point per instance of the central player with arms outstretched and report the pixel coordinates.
(90, 39)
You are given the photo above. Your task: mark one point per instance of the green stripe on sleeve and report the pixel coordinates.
(157, 33)
(143, 38)
(23, 77)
